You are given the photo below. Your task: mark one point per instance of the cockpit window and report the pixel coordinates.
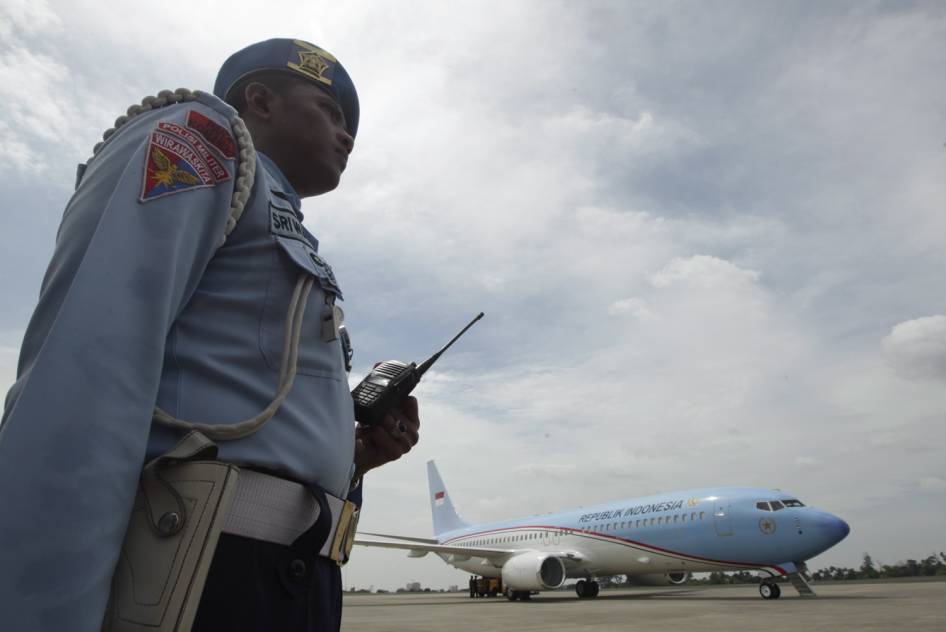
(776, 505)
(764, 506)
(793, 503)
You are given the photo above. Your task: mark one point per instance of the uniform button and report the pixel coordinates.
(169, 523)
(297, 569)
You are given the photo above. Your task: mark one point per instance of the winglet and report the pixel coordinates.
(441, 507)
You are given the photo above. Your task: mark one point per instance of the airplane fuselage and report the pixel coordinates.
(688, 531)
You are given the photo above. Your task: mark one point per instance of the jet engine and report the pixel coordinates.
(659, 579)
(533, 571)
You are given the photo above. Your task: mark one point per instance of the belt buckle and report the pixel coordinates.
(344, 533)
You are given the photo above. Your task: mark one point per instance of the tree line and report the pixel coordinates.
(927, 567)
(932, 565)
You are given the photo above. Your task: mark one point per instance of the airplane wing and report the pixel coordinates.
(400, 537)
(418, 547)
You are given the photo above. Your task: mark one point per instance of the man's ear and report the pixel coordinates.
(259, 100)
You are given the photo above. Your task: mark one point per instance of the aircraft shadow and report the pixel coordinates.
(563, 599)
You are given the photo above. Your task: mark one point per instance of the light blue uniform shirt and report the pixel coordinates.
(139, 307)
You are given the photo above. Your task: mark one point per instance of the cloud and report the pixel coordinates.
(634, 307)
(28, 16)
(704, 272)
(9, 354)
(545, 471)
(19, 152)
(933, 483)
(917, 348)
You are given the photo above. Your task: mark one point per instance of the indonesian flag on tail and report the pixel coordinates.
(438, 498)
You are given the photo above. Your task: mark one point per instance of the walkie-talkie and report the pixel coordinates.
(390, 382)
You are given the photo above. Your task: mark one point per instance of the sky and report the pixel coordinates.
(708, 238)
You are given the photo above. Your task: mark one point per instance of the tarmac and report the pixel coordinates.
(895, 605)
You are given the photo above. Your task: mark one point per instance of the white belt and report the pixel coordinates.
(276, 510)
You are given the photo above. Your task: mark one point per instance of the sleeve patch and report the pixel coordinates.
(217, 135)
(218, 170)
(172, 166)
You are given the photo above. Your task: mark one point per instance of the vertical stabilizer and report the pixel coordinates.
(441, 507)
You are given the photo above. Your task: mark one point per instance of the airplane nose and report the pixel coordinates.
(835, 528)
(842, 528)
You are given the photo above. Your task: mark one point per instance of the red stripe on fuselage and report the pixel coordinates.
(625, 541)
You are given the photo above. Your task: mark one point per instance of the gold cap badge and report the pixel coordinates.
(313, 62)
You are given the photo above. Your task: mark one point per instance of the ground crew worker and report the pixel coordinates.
(142, 307)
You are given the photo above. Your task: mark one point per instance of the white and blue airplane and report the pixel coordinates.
(658, 539)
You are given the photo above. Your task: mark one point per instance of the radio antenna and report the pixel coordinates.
(429, 361)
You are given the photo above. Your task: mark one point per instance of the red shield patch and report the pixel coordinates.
(172, 166)
(217, 169)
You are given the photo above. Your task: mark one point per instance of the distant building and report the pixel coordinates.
(453, 588)
(413, 587)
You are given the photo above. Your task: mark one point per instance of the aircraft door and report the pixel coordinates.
(722, 518)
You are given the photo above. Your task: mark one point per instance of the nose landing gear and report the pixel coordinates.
(770, 590)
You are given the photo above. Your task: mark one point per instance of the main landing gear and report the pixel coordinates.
(769, 590)
(523, 595)
(586, 589)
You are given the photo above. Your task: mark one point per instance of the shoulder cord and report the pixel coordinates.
(246, 174)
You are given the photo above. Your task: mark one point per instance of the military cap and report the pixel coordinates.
(298, 58)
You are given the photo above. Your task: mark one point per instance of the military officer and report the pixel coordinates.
(177, 266)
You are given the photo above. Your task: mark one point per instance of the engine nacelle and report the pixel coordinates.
(659, 579)
(533, 571)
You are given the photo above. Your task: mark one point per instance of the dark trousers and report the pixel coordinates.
(256, 586)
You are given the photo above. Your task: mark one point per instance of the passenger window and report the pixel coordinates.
(776, 505)
(764, 506)
(652, 522)
(701, 515)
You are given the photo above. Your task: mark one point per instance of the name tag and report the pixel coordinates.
(283, 222)
(287, 229)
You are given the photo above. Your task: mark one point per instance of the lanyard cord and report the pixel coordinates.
(287, 375)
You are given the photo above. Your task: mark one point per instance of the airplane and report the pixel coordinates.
(659, 539)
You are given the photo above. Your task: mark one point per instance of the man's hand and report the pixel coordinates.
(388, 441)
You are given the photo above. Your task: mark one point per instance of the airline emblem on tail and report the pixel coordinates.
(438, 498)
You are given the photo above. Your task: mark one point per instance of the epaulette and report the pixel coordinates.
(246, 154)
